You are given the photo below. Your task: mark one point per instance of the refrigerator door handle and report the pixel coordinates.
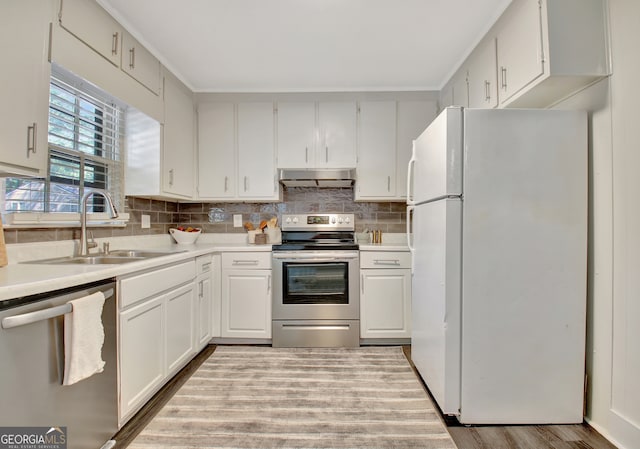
(408, 234)
(412, 162)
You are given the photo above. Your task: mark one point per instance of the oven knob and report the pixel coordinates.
(288, 220)
(347, 220)
(295, 219)
(340, 220)
(333, 220)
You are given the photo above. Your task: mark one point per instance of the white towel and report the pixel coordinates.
(83, 338)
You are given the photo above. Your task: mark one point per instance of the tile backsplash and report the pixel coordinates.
(218, 217)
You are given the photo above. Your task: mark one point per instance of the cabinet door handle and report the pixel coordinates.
(362, 283)
(200, 289)
(487, 91)
(503, 77)
(132, 58)
(269, 284)
(206, 267)
(226, 183)
(246, 183)
(326, 154)
(171, 177)
(306, 155)
(388, 183)
(32, 138)
(114, 43)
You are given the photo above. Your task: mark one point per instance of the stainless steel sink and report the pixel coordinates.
(137, 253)
(113, 257)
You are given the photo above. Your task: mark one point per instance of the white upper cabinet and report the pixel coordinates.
(160, 158)
(24, 39)
(216, 151)
(520, 52)
(537, 53)
(296, 134)
(482, 76)
(336, 135)
(138, 62)
(95, 27)
(236, 152)
(548, 49)
(316, 134)
(386, 130)
(178, 139)
(377, 156)
(256, 151)
(87, 21)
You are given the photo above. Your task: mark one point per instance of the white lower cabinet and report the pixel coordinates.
(246, 295)
(141, 354)
(385, 294)
(180, 305)
(156, 331)
(204, 300)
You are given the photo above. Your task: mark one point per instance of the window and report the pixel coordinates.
(86, 132)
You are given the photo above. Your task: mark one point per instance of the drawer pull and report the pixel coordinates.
(386, 262)
(245, 262)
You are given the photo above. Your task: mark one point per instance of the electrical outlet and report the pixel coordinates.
(145, 221)
(237, 220)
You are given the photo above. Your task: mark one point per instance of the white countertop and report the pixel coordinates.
(21, 278)
(390, 242)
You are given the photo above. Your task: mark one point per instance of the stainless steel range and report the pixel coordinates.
(316, 282)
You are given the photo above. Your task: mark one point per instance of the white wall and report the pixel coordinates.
(613, 352)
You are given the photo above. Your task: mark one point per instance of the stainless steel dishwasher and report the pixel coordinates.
(32, 369)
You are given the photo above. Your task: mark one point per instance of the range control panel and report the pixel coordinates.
(319, 221)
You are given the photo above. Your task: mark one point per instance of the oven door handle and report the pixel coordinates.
(316, 259)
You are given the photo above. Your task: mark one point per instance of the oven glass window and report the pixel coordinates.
(315, 283)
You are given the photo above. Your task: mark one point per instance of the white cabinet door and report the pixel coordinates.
(24, 40)
(216, 150)
(376, 167)
(204, 300)
(178, 140)
(94, 26)
(142, 353)
(337, 135)
(180, 327)
(138, 62)
(385, 303)
(413, 118)
(519, 47)
(483, 76)
(256, 151)
(246, 303)
(296, 135)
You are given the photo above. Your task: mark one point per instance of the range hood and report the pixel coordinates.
(317, 177)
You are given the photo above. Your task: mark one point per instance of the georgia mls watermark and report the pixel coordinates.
(33, 438)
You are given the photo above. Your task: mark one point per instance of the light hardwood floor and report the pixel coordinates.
(578, 436)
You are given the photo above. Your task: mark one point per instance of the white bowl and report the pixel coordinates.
(183, 237)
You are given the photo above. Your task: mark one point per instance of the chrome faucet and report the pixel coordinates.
(113, 213)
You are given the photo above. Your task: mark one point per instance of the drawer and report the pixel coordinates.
(385, 259)
(139, 287)
(247, 260)
(204, 264)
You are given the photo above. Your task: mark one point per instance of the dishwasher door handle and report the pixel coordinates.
(44, 314)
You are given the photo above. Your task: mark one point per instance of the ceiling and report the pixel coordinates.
(309, 45)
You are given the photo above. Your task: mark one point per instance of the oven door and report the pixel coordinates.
(316, 285)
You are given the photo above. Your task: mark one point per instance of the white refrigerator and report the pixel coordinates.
(497, 214)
